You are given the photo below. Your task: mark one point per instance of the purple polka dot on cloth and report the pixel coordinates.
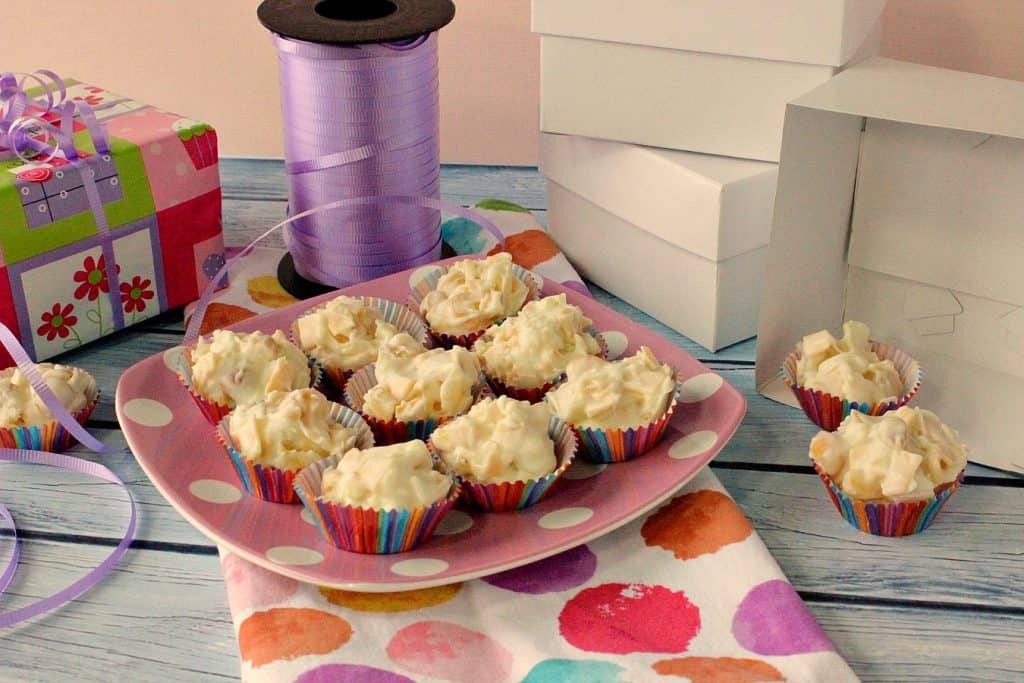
(559, 572)
(772, 620)
(329, 673)
(577, 286)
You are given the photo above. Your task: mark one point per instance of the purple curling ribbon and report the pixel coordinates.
(361, 121)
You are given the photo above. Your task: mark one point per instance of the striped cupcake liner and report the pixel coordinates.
(368, 530)
(52, 436)
(273, 484)
(517, 495)
(387, 432)
(395, 313)
(536, 394)
(889, 519)
(429, 283)
(608, 446)
(213, 411)
(828, 411)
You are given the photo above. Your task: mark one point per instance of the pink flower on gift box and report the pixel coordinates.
(57, 322)
(37, 174)
(91, 100)
(135, 294)
(93, 278)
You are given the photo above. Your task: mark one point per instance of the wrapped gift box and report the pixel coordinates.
(682, 74)
(160, 190)
(694, 228)
(899, 205)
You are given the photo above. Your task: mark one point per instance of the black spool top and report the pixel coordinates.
(346, 22)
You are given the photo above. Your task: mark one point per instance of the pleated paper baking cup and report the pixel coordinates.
(368, 530)
(213, 411)
(51, 436)
(608, 446)
(889, 519)
(387, 432)
(274, 484)
(394, 313)
(827, 411)
(517, 495)
(429, 283)
(536, 394)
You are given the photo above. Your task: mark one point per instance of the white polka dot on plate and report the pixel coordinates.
(565, 518)
(171, 357)
(692, 445)
(156, 148)
(584, 470)
(420, 274)
(426, 566)
(307, 516)
(293, 554)
(616, 342)
(700, 387)
(147, 412)
(455, 522)
(180, 169)
(214, 491)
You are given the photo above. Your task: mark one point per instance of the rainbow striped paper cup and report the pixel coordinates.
(889, 519)
(50, 436)
(388, 432)
(273, 484)
(429, 283)
(827, 411)
(517, 495)
(393, 312)
(368, 530)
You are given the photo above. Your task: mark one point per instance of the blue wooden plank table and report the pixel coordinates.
(944, 605)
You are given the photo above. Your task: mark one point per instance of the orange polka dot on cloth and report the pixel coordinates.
(287, 633)
(718, 670)
(401, 601)
(528, 248)
(695, 524)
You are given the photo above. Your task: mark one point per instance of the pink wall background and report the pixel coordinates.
(211, 59)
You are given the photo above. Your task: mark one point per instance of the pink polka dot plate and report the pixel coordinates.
(178, 450)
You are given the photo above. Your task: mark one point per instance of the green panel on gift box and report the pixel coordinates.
(20, 242)
(12, 214)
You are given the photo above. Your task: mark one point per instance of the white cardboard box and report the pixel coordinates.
(715, 207)
(686, 100)
(827, 32)
(899, 204)
(714, 303)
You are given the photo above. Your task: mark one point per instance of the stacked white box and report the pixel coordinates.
(711, 77)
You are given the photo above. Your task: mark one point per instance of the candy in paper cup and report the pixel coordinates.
(827, 411)
(536, 394)
(368, 530)
(274, 484)
(393, 312)
(387, 432)
(517, 495)
(429, 283)
(889, 519)
(51, 436)
(608, 446)
(213, 411)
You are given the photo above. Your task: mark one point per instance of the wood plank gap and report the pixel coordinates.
(807, 469)
(971, 608)
(103, 424)
(162, 546)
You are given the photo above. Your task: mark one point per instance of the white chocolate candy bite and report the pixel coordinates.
(498, 440)
(473, 295)
(236, 369)
(289, 430)
(622, 394)
(347, 333)
(397, 477)
(20, 406)
(534, 347)
(898, 456)
(847, 368)
(434, 384)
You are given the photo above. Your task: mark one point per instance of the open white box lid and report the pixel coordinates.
(824, 32)
(855, 169)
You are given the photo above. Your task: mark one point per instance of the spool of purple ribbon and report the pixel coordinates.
(359, 98)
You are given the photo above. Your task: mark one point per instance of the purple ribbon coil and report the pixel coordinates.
(361, 121)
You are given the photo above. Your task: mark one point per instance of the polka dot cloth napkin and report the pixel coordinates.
(688, 592)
